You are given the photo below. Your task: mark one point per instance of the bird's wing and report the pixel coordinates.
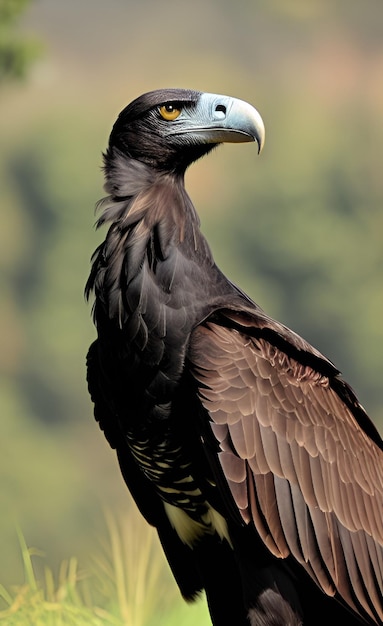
(295, 452)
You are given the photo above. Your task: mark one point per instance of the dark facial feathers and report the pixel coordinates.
(137, 131)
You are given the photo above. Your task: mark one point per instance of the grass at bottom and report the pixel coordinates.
(127, 584)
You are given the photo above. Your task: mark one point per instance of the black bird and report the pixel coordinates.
(239, 441)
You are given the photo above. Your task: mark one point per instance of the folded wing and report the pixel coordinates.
(295, 453)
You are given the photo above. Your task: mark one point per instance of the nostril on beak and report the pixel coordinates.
(220, 111)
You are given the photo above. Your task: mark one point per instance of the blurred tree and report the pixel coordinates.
(16, 54)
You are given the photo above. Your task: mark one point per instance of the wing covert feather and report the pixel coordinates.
(298, 463)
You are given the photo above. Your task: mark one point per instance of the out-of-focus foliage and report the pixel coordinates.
(300, 228)
(127, 584)
(16, 54)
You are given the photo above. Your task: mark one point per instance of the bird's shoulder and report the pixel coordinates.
(275, 351)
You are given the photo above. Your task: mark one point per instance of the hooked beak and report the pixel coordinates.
(220, 119)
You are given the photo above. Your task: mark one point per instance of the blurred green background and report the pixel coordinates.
(300, 228)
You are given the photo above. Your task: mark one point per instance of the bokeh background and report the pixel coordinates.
(300, 228)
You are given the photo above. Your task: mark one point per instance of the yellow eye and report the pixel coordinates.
(169, 112)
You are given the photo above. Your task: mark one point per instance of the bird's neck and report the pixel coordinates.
(154, 245)
(140, 192)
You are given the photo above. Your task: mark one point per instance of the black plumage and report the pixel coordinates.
(239, 441)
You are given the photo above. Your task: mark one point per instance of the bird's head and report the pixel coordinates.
(170, 128)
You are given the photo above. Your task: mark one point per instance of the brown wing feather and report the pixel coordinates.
(296, 459)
